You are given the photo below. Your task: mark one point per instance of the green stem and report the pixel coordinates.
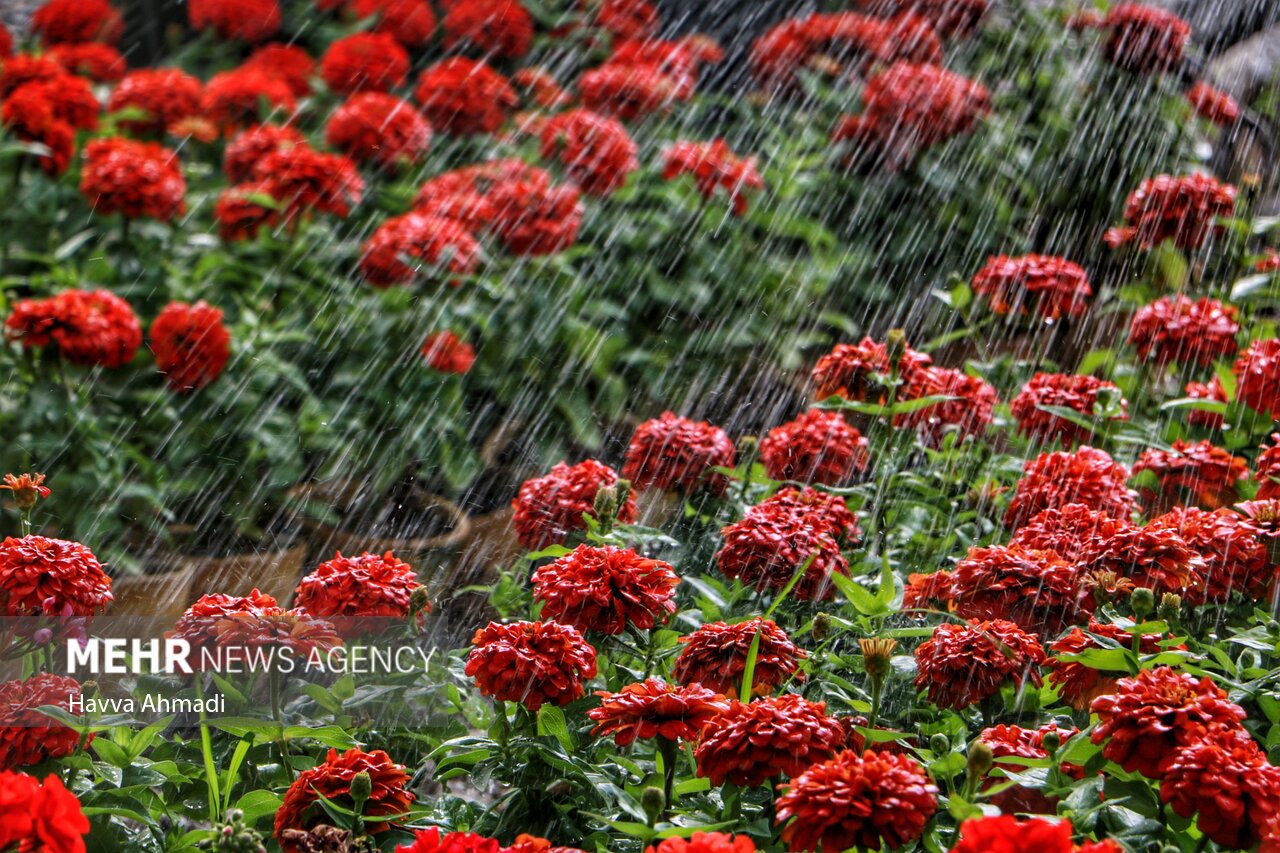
(283, 742)
(667, 749)
(206, 749)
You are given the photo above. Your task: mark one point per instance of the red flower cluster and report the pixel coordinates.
(134, 179)
(1008, 741)
(245, 20)
(199, 625)
(526, 843)
(101, 63)
(29, 736)
(75, 21)
(191, 344)
(961, 665)
(853, 371)
(1050, 286)
(625, 20)
(426, 241)
(464, 96)
(1212, 104)
(747, 743)
(287, 63)
(715, 656)
(296, 631)
(240, 161)
(244, 210)
(630, 92)
(364, 62)
(842, 42)
(967, 414)
(1153, 556)
(1151, 715)
(1180, 209)
(1224, 777)
(1195, 472)
(410, 22)
(908, 108)
(821, 510)
(46, 576)
(705, 842)
(29, 116)
(375, 128)
(714, 167)
(40, 816)
(549, 508)
(773, 540)
(1178, 329)
(501, 28)
(816, 447)
(673, 453)
(953, 18)
(434, 841)
(531, 663)
(1267, 471)
(17, 71)
(303, 180)
(868, 801)
(596, 152)
(1066, 391)
(447, 353)
(533, 217)
(652, 709)
(164, 96)
(360, 596)
(1072, 531)
(1144, 39)
(1212, 391)
(331, 779)
(1007, 834)
(1079, 684)
(1037, 590)
(1053, 480)
(606, 589)
(1257, 373)
(245, 96)
(1234, 557)
(70, 99)
(90, 327)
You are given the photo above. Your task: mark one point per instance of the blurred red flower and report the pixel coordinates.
(1177, 329)
(70, 99)
(89, 327)
(101, 63)
(967, 414)
(1086, 475)
(532, 663)
(245, 96)
(541, 88)
(331, 779)
(1144, 39)
(425, 241)
(191, 344)
(464, 97)
(361, 596)
(410, 22)
(501, 28)
(240, 160)
(714, 167)
(549, 508)
(626, 20)
(246, 20)
(631, 91)
(74, 21)
(165, 96)
(134, 179)
(1049, 286)
(596, 152)
(816, 447)
(748, 743)
(532, 217)
(432, 840)
(705, 842)
(372, 127)
(673, 453)
(447, 353)
(28, 115)
(956, 19)
(304, 180)
(29, 736)
(606, 589)
(1234, 557)
(1212, 104)
(715, 656)
(1210, 392)
(1007, 834)
(287, 63)
(37, 816)
(652, 709)
(1257, 373)
(243, 210)
(961, 665)
(364, 62)
(526, 843)
(24, 68)
(1181, 209)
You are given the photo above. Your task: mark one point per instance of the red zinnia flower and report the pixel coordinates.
(199, 624)
(1234, 557)
(652, 708)
(705, 842)
(241, 212)
(748, 743)
(304, 180)
(40, 816)
(274, 627)
(867, 801)
(24, 68)
(46, 576)
(26, 489)
(191, 344)
(464, 195)
(1151, 715)
(501, 28)
(1199, 471)
(1050, 286)
(853, 371)
(961, 665)
(134, 179)
(1267, 471)
(331, 779)
(1073, 531)
(772, 541)
(90, 328)
(532, 217)
(1212, 104)
(364, 62)
(1180, 209)
(968, 414)
(70, 99)
(549, 508)
(29, 116)
(247, 20)
(360, 595)
(626, 20)
(1153, 556)
(1069, 391)
(1078, 683)
(165, 95)
(606, 589)
(816, 447)
(244, 151)
(410, 22)
(1007, 834)
(673, 453)
(29, 736)
(715, 656)
(542, 88)
(631, 91)
(1087, 475)
(1175, 328)
(714, 167)
(526, 843)
(244, 97)
(1008, 741)
(73, 21)
(1211, 391)
(1257, 373)
(287, 63)
(464, 96)
(531, 663)
(1270, 262)
(956, 19)
(1144, 39)
(596, 152)
(428, 242)
(930, 592)
(434, 841)
(1037, 590)
(375, 128)
(447, 353)
(101, 63)
(818, 509)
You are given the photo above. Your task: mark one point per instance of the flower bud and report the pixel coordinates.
(418, 601)
(1051, 741)
(895, 347)
(361, 788)
(876, 655)
(1143, 601)
(606, 506)
(939, 744)
(1170, 607)
(821, 627)
(980, 759)
(26, 488)
(653, 801)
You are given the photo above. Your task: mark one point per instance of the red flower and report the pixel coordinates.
(848, 39)
(501, 28)
(165, 96)
(240, 161)
(606, 589)
(526, 843)
(672, 453)
(780, 52)
(714, 167)
(6, 42)
(1151, 715)
(244, 97)
(1257, 373)
(930, 592)
(241, 213)
(70, 99)
(37, 816)
(72, 21)
(1212, 104)
(294, 631)
(1268, 470)
(426, 241)
(867, 801)
(854, 371)
(433, 841)
(287, 63)
(715, 656)
(90, 328)
(772, 542)
(1037, 590)
(1224, 777)
(1175, 328)
(1050, 286)
(1180, 209)
(531, 663)
(1198, 471)
(447, 353)
(816, 447)
(46, 576)
(1069, 391)
(549, 508)
(134, 179)
(1054, 480)
(364, 62)
(247, 20)
(652, 708)
(956, 19)
(332, 779)
(26, 489)
(1144, 39)
(464, 194)
(1213, 392)
(29, 736)
(1007, 834)
(596, 152)
(1234, 557)
(361, 595)
(626, 20)
(304, 180)
(962, 665)
(748, 743)
(101, 63)
(464, 97)
(1008, 741)
(1073, 531)
(199, 624)
(968, 414)
(705, 842)
(375, 128)
(908, 108)
(1270, 262)
(631, 91)
(23, 68)
(532, 217)
(410, 22)
(541, 87)
(191, 344)
(1078, 683)
(821, 510)
(29, 116)
(1155, 556)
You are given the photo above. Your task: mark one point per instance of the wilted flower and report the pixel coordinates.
(715, 656)
(1049, 286)
(748, 743)
(961, 665)
(26, 489)
(388, 796)
(1095, 399)
(652, 708)
(531, 663)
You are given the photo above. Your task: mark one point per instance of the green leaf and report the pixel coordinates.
(551, 721)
